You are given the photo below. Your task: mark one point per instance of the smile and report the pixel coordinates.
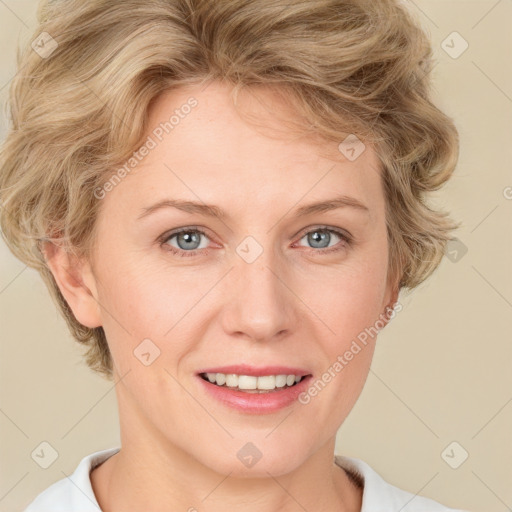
(251, 383)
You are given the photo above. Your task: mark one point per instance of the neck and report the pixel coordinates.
(141, 478)
(152, 473)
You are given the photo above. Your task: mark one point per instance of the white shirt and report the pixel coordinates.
(75, 494)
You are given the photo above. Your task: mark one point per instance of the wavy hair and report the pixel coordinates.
(79, 104)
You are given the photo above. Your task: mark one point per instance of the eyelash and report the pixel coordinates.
(346, 241)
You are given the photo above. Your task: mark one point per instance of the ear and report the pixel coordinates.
(393, 296)
(390, 300)
(76, 282)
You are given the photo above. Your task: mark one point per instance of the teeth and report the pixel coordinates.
(250, 382)
(281, 381)
(247, 382)
(231, 380)
(267, 382)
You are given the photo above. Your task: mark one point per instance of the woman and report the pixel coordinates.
(225, 200)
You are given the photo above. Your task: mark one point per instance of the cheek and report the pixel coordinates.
(357, 305)
(351, 309)
(351, 306)
(136, 305)
(349, 299)
(144, 301)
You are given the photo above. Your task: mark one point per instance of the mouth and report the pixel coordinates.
(254, 390)
(253, 383)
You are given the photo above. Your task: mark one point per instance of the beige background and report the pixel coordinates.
(442, 369)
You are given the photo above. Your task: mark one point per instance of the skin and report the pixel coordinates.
(292, 306)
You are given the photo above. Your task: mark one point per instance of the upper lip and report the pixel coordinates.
(256, 371)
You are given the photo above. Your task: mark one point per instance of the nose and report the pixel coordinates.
(261, 307)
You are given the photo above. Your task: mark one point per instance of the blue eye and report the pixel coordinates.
(188, 241)
(319, 236)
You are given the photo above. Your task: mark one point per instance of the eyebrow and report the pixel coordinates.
(209, 210)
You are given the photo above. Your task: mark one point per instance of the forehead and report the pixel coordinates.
(203, 149)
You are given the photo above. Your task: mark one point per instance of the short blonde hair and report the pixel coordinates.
(78, 111)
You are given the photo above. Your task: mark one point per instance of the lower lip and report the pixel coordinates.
(256, 403)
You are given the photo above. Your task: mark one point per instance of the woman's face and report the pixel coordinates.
(270, 288)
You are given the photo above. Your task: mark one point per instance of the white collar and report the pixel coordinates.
(75, 493)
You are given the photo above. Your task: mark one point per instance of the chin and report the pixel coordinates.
(245, 460)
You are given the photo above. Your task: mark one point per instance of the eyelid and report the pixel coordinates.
(301, 233)
(172, 232)
(346, 238)
(180, 253)
(322, 227)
